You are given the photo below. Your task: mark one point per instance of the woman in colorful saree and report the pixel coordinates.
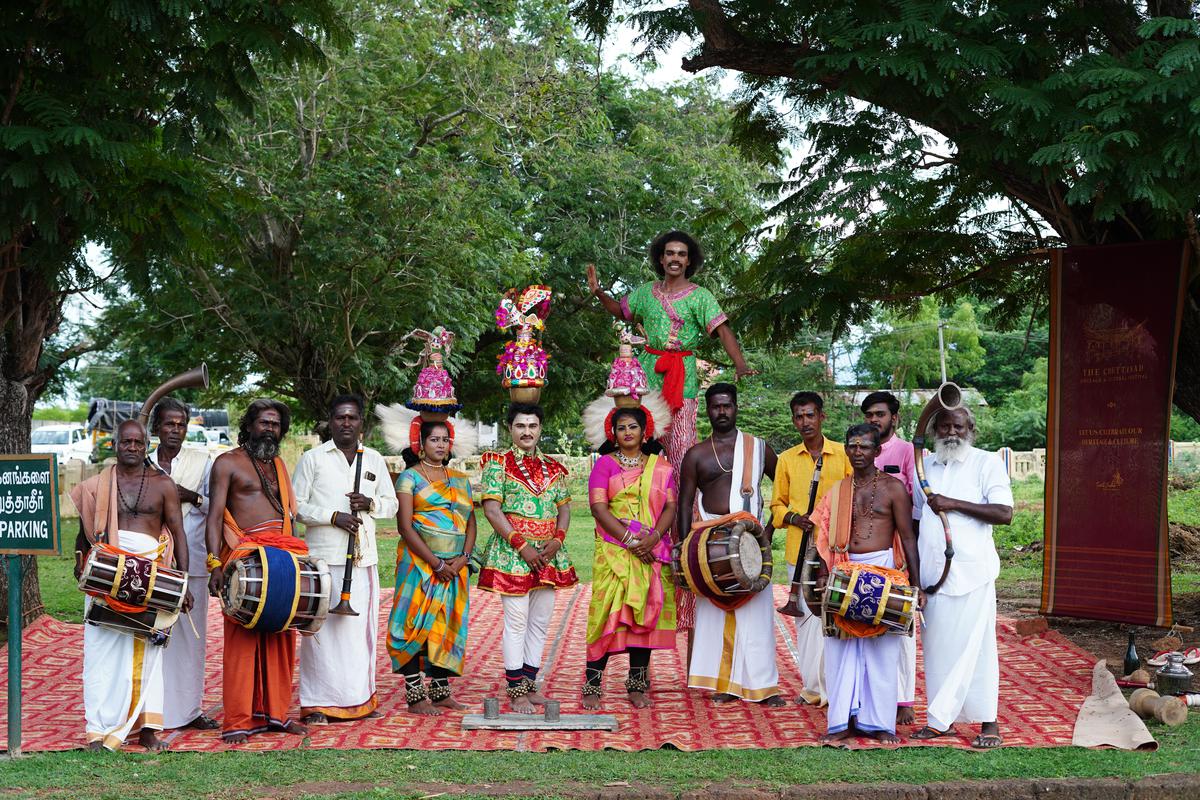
(427, 629)
(632, 494)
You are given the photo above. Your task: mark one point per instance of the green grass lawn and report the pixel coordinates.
(418, 774)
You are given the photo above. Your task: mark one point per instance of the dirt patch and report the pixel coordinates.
(1184, 543)
(1108, 640)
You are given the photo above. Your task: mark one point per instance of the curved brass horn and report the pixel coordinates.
(947, 398)
(197, 376)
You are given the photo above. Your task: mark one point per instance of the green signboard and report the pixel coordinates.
(29, 504)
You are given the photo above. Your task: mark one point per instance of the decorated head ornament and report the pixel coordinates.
(432, 400)
(433, 392)
(522, 365)
(627, 388)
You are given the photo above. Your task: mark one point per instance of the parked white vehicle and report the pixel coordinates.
(207, 439)
(69, 442)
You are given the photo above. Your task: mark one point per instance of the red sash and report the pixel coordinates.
(670, 363)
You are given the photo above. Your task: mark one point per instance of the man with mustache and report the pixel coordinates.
(881, 410)
(251, 504)
(337, 663)
(183, 663)
(734, 650)
(962, 670)
(790, 510)
(865, 520)
(676, 315)
(528, 504)
(134, 509)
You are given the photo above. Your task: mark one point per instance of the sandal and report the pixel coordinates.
(1191, 656)
(1160, 658)
(987, 741)
(932, 733)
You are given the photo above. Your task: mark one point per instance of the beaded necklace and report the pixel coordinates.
(135, 509)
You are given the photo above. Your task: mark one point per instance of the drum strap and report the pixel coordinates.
(748, 447)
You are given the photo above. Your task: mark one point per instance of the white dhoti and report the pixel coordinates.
(810, 651)
(526, 621)
(733, 652)
(861, 674)
(183, 660)
(337, 663)
(962, 668)
(907, 678)
(122, 675)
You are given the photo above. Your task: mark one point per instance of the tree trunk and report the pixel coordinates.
(16, 412)
(1187, 361)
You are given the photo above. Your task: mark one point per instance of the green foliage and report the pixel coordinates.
(949, 144)
(902, 352)
(450, 154)
(1021, 422)
(62, 413)
(1184, 428)
(94, 94)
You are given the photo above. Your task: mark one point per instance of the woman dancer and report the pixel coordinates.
(427, 629)
(632, 494)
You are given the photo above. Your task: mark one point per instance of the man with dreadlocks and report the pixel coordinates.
(251, 503)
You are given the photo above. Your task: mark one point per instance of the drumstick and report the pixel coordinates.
(188, 617)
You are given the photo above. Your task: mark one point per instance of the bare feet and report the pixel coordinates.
(374, 715)
(638, 700)
(236, 738)
(905, 715)
(96, 746)
(148, 739)
(315, 718)
(522, 705)
(295, 728)
(834, 738)
(203, 723)
(883, 737)
(721, 697)
(774, 701)
(537, 698)
(424, 708)
(450, 704)
(591, 702)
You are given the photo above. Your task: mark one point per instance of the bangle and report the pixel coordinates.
(441, 563)
(561, 535)
(333, 519)
(212, 562)
(516, 541)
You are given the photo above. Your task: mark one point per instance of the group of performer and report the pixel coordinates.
(652, 490)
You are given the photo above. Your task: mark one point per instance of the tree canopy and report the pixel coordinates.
(405, 183)
(948, 145)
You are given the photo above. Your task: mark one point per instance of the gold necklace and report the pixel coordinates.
(713, 441)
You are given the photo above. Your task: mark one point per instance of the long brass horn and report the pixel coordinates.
(184, 380)
(947, 398)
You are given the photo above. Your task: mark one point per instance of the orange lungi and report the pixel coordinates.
(258, 668)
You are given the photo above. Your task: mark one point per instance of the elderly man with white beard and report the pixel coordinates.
(962, 670)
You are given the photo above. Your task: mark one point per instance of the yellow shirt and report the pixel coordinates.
(793, 482)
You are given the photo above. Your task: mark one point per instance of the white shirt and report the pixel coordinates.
(323, 477)
(979, 478)
(190, 469)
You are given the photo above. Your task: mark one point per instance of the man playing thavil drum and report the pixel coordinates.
(126, 507)
(723, 473)
(865, 519)
(251, 502)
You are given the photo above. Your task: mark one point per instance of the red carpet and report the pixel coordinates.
(1043, 681)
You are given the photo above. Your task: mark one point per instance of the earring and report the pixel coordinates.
(421, 454)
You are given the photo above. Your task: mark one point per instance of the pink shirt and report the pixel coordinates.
(898, 453)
